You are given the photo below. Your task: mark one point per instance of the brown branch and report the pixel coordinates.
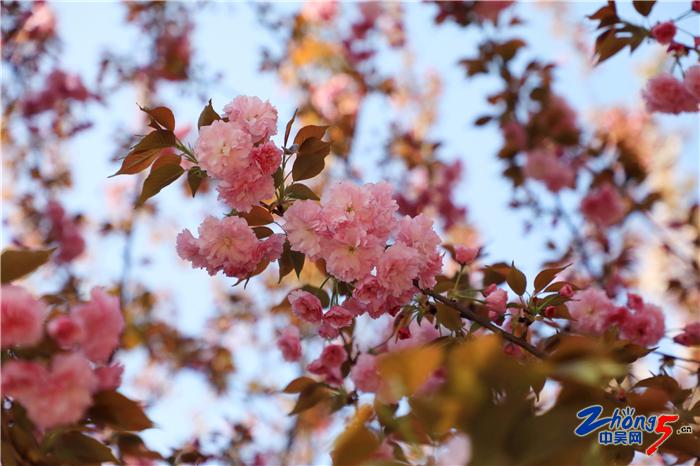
(679, 358)
(484, 322)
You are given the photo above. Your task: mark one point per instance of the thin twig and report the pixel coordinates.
(484, 322)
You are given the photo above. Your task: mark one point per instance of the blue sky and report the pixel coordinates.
(228, 40)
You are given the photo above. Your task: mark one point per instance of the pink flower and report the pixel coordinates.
(644, 326)
(102, 323)
(590, 311)
(350, 254)
(258, 118)
(692, 81)
(65, 231)
(244, 189)
(665, 94)
(552, 170)
(465, 255)
(664, 32)
(306, 306)
(514, 135)
(52, 397)
(109, 377)
(397, 268)
(338, 317)
(337, 97)
(496, 303)
(327, 331)
(567, 291)
(22, 317)
(223, 148)
(603, 206)
(318, 11)
(690, 335)
(333, 355)
(418, 234)
(364, 373)
(303, 224)
(227, 245)
(328, 364)
(267, 157)
(65, 331)
(289, 343)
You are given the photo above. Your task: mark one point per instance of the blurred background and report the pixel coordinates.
(201, 353)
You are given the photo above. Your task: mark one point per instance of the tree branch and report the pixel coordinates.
(484, 322)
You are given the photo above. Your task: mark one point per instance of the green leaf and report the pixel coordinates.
(516, 280)
(74, 448)
(299, 384)
(285, 261)
(450, 318)
(195, 175)
(310, 131)
(288, 128)
(546, 276)
(17, 263)
(161, 115)
(310, 397)
(161, 176)
(643, 7)
(208, 116)
(307, 166)
(145, 152)
(262, 232)
(313, 146)
(257, 216)
(301, 191)
(119, 412)
(298, 259)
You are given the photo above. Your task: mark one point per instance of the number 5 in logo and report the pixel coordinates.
(664, 430)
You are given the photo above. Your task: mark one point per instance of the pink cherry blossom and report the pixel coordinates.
(65, 331)
(306, 306)
(552, 170)
(465, 255)
(303, 225)
(223, 148)
(227, 245)
(665, 94)
(692, 81)
(267, 157)
(55, 396)
(242, 190)
(496, 303)
(318, 11)
(364, 373)
(102, 323)
(289, 343)
(333, 355)
(327, 331)
(590, 311)
(690, 335)
(603, 206)
(109, 377)
(338, 317)
(397, 267)
(644, 325)
(328, 364)
(257, 118)
(664, 32)
(65, 231)
(337, 97)
(22, 317)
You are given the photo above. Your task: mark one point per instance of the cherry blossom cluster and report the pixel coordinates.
(594, 313)
(349, 229)
(65, 231)
(237, 152)
(666, 94)
(59, 390)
